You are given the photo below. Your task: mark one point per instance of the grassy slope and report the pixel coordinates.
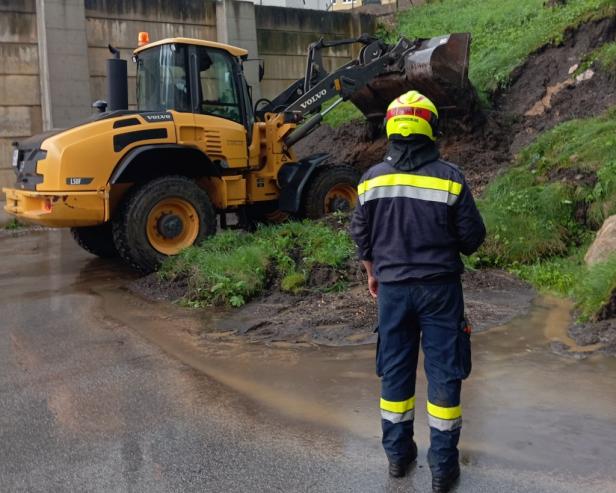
(504, 34)
(233, 266)
(531, 213)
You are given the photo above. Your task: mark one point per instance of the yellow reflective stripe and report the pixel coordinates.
(444, 412)
(398, 406)
(419, 181)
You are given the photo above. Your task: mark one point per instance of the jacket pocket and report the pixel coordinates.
(464, 348)
(379, 365)
(442, 215)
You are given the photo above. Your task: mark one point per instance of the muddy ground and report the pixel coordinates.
(349, 317)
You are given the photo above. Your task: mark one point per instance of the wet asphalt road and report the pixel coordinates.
(101, 391)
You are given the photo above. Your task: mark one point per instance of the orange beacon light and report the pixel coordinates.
(144, 38)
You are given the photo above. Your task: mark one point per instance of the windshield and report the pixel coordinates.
(162, 79)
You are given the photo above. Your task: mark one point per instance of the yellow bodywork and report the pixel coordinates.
(234, 50)
(87, 151)
(58, 209)
(77, 169)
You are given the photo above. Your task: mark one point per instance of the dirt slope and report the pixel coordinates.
(542, 94)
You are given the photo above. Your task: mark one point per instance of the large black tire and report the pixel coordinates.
(131, 231)
(97, 240)
(320, 197)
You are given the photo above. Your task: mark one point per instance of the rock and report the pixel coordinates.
(604, 244)
(573, 68)
(586, 75)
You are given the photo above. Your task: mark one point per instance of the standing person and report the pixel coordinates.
(415, 215)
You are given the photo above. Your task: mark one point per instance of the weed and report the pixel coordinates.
(233, 267)
(13, 224)
(293, 282)
(594, 288)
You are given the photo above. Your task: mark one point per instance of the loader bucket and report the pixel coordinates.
(436, 67)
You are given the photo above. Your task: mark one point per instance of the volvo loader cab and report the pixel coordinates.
(150, 182)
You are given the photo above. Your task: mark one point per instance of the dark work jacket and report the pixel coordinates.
(415, 215)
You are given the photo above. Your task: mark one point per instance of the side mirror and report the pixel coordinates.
(261, 70)
(100, 105)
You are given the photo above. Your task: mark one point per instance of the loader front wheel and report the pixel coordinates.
(331, 189)
(97, 240)
(162, 218)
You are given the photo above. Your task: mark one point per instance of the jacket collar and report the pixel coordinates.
(410, 155)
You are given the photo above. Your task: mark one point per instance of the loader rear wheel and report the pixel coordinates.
(97, 240)
(331, 189)
(162, 218)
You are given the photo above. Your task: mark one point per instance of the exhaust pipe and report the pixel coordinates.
(117, 81)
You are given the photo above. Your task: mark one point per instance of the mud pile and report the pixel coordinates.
(343, 318)
(350, 317)
(547, 89)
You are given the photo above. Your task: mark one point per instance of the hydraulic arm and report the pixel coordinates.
(436, 66)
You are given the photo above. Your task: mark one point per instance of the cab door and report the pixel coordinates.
(220, 119)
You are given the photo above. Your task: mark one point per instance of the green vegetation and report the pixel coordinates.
(13, 224)
(344, 113)
(541, 213)
(232, 267)
(590, 287)
(605, 56)
(504, 34)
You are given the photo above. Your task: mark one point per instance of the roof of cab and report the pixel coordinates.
(234, 50)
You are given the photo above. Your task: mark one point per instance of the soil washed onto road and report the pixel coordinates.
(344, 318)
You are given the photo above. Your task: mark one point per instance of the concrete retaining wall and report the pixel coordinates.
(20, 99)
(119, 22)
(284, 35)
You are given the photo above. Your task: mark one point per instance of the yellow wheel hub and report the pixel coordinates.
(173, 224)
(341, 197)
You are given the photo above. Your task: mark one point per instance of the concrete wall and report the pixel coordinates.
(63, 62)
(119, 22)
(297, 4)
(284, 35)
(235, 24)
(20, 100)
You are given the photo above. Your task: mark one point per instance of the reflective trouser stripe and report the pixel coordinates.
(444, 424)
(398, 406)
(397, 417)
(444, 418)
(398, 411)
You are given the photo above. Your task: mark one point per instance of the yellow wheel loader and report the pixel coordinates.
(147, 183)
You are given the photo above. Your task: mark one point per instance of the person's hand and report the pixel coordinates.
(373, 286)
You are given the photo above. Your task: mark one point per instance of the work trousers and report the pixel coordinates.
(433, 313)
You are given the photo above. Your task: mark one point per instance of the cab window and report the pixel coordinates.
(218, 90)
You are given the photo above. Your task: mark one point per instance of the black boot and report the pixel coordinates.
(444, 483)
(399, 469)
